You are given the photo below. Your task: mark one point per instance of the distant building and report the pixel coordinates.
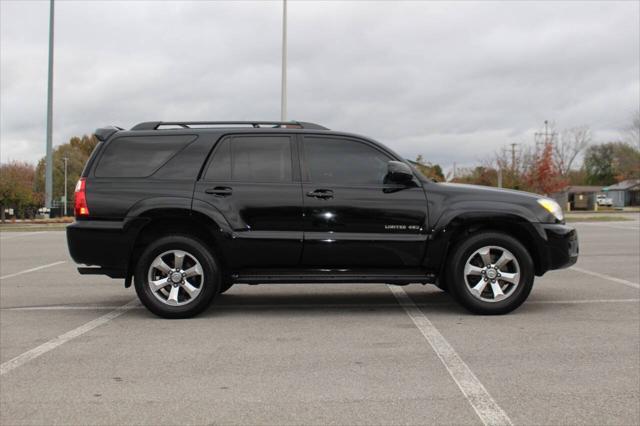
(577, 197)
(625, 193)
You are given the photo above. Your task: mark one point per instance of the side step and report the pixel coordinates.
(400, 276)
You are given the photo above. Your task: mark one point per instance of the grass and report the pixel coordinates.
(602, 218)
(23, 227)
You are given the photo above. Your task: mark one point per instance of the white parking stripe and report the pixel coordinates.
(607, 277)
(484, 405)
(37, 268)
(16, 362)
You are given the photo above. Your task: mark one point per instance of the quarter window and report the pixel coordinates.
(344, 162)
(139, 156)
(252, 159)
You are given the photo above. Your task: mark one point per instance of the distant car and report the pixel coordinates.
(187, 209)
(603, 200)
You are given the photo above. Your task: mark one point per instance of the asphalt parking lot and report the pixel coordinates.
(74, 350)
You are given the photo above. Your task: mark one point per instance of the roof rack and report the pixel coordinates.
(160, 125)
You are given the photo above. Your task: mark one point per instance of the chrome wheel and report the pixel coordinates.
(175, 277)
(492, 273)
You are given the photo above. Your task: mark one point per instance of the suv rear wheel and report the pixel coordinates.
(176, 277)
(490, 273)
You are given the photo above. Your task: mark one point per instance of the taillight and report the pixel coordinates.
(81, 208)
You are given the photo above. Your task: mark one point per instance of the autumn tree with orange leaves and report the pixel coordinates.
(544, 176)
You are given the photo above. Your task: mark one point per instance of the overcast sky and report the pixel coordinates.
(453, 81)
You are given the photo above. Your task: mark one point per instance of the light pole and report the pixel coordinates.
(65, 159)
(283, 95)
(48, 186)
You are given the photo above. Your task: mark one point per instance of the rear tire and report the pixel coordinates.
(177, 277)
(490, 273)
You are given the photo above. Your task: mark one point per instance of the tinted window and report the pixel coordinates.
(139, 156)
(252, 159)
(341, 161)
(220, 166)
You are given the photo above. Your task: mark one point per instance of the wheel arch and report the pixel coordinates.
(164, 221)
(523, 230)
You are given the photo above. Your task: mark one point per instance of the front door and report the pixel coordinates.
(352, 217)
(251, 181)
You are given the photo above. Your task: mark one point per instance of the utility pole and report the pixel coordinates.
(283, 95)
(48, 186)
(66, 159)
(513, 157)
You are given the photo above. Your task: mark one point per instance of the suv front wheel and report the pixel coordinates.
(490, 273)
(176, 277)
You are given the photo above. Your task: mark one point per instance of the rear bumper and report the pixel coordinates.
(561, 247)
(104, 244)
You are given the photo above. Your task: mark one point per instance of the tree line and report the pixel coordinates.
(554, 161)
(22, 184)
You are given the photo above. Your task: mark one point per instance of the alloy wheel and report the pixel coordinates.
(492, 273)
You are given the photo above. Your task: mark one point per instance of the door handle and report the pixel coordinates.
(323, 194)
(219, 191)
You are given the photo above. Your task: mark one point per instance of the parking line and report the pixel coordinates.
(37, 268)
(607, 277)
(34, 353)
(484, 405)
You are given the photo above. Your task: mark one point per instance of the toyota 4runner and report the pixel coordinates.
(185, 210)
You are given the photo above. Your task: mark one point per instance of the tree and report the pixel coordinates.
(633, 132)
(17, 188)
(480, 175)
(611, 162)
(431, 171)
(77, 152)
(545, 177)
(572, 142)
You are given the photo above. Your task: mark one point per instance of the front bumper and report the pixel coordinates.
(561, 249)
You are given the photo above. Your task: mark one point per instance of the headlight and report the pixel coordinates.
(552, 207)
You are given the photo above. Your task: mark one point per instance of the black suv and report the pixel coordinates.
(187, 209)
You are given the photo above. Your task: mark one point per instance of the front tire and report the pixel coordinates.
(176, 277)
(490, 273)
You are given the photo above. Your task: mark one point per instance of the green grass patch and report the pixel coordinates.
(602, 218)
(20, 227)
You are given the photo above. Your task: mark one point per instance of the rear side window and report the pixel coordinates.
(252, 159)
(344, 162)
(139, 156)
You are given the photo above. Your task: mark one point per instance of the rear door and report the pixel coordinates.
(352, 217)
(251, 180)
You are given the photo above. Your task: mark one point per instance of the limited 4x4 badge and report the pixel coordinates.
(402, 227)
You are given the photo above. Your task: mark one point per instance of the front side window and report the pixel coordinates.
(344, 162)
(252, 159)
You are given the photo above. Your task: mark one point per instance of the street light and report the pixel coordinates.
(283, 95)
(48, 185)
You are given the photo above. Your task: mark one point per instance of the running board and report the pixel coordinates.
(332, 276)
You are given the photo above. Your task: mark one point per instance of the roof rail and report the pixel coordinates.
(158, 125)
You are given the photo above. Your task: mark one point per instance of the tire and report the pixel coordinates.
(476, 290)
(181, 292)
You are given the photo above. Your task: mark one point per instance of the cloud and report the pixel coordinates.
(453, 81)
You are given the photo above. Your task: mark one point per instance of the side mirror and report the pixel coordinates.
(398, 172)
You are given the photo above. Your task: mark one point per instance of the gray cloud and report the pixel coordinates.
(453, 81)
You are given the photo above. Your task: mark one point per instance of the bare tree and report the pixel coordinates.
(633, 131)
(567, 149)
